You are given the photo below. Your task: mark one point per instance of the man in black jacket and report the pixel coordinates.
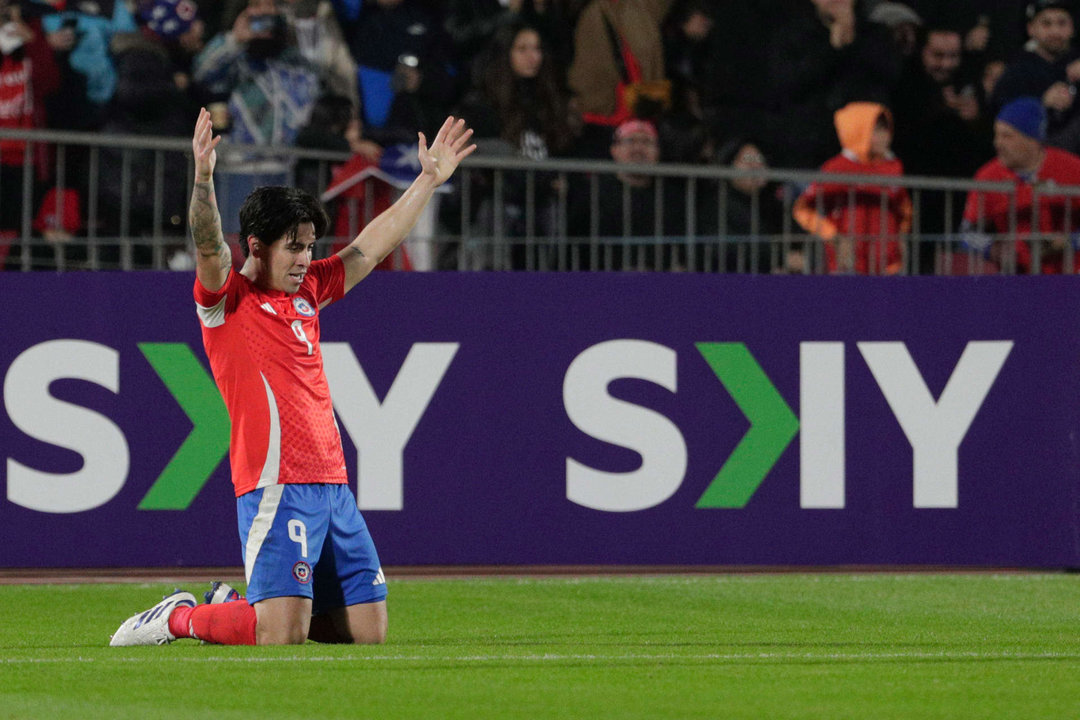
(1048, 68)
(941, 130)
(827, 56)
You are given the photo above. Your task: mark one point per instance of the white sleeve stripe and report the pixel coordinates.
(214, 316)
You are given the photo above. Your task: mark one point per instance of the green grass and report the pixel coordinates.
(761, 646)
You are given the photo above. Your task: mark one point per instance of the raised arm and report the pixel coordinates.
(212, 256)
(379, 238)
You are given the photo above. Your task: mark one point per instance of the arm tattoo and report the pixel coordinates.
(357, 250)
(205, 223)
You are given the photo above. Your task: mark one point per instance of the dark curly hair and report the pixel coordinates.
(272, 212)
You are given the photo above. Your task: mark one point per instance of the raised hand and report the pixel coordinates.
(203, 144)
(1058, 97)
(212, 256)
(842, 27)
(441, 159)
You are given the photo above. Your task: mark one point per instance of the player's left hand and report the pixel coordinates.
(441, 159)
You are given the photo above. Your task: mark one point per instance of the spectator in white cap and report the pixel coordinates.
(904, 23)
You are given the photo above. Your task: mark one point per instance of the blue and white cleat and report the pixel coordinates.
(220, 592)
(152, 626)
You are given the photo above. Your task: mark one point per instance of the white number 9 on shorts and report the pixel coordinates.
(298, 534)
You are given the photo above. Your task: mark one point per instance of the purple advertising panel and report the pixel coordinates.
(635, 419)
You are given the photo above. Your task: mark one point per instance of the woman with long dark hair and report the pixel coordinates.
(520, 106)
(519, 95)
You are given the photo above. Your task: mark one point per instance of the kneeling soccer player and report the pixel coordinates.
(310, 563)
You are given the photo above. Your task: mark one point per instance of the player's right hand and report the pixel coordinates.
(202, 145)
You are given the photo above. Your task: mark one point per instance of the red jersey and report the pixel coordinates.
(27, 76)
(1059, 168)
(16, 104)
(874, 215)
(264, 352)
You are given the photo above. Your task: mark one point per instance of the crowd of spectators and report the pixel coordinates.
(748, 84)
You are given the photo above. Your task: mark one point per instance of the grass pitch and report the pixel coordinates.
(761, 646)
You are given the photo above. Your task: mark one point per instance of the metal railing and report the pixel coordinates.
(504, 213)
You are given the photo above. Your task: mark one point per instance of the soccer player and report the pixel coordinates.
(310, 563)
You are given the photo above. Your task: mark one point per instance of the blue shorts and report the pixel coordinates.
(308, 541)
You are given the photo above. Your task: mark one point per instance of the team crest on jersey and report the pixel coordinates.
(302, 572)
(303, 307)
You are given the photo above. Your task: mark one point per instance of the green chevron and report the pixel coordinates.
(772, 425)
(206, 445)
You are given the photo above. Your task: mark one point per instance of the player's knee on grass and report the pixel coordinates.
(281, 631)
(275, 635)
(373, 635)
(364, 624)
(282, 621)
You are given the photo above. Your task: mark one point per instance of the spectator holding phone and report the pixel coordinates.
(405, 68)
(80, 36)
(270, 87)
(1049, 69)
(321, 41)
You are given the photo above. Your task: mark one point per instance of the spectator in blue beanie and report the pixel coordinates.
(1043, 237)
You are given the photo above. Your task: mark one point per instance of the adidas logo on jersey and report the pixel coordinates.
(268, 308)
(380, 579)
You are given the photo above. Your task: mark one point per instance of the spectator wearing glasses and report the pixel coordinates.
(628, 218)
(753, 216)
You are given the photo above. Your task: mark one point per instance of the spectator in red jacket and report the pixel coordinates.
(28, 74)
(860, 224)
(1024, 159)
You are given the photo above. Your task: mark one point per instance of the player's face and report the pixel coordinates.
(1052, 30)
(289, 259)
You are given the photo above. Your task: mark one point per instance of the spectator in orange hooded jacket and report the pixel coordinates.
(861, 224)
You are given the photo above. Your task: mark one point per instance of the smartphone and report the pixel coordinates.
(261, 23)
